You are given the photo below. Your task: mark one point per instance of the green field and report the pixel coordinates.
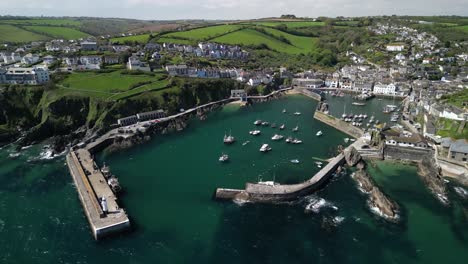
(57, 32)
(113, 85)
(253, 37)
(143, 39)
(205, 33)
(293, 24)
(39, 21)
(464, 28)
(9, 33)
(449, 128)
(176, 41)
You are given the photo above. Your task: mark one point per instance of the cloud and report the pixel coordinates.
(231, 9)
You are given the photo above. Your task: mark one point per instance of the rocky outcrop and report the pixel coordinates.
(352, 156)
(431, 176)
(377, 200)
(322, 107)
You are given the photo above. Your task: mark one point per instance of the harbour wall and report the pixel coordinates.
(406, 154)
(272, 193)
(339, 124)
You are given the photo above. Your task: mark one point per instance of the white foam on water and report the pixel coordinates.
(315, 204)
(338, 219)
(461, 191)
(378, 212)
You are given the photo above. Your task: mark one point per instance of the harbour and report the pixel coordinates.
(160, 194)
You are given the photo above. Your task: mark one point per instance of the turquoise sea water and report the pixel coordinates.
(169, 183)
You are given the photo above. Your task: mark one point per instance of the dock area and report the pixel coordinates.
(92, 187)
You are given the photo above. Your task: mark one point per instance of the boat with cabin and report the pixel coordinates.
(223, 158)
(277, 137)
(265, 148)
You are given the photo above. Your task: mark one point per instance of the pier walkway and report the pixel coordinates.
(92, 187)
(275, 192)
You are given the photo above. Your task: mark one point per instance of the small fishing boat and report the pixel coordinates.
(346, 140)
(358, 104)
(223, 158)
(265, 123)
(282, 127)
(113, 182)
(284, 111)
(255, 132)
(289, 140)
(297, 113)
(277, 137)
(295, 161)
(319, 133)
(265, 148)
(229, 139)
(258, 122)
(296, 129)
(245, 143)
(296, 141)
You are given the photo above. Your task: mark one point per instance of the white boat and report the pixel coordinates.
(282, 127)
(269, 183)
(296, 129)
(358, 104)
(229, 139)
(265, 123)
(346, 140)
(277, 137)
(284, 111)
(265, 148)
(297, 113)
(245, 143)
(352, 140)
(255, 132)
(319, 133)
(296, 141)
(258, 122)
(295, 161)
(223, 158)
(318, 163)
(289, 140)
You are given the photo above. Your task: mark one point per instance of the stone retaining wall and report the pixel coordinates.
(339, 124)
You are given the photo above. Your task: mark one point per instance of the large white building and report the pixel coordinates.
(385, 89)
(31, 76)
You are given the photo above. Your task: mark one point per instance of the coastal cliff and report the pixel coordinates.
(38, 113)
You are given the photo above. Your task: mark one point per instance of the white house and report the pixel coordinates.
(254, 81)
(31, 76)
(395, 47)
(134, 64)
(30, 59)
(385, 89)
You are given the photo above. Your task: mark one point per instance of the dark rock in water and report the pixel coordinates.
(432, 177)
(352, 156)
(377, 199)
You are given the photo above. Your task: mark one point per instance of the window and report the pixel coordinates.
(453, 156)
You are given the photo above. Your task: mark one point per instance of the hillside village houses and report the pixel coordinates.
(31, 76)
(395, 47)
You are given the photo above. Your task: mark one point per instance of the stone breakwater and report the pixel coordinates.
(338, 124)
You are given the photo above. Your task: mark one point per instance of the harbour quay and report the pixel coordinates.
(99, 202)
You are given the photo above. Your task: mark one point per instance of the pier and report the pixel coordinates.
(92, 187)
(271, 193)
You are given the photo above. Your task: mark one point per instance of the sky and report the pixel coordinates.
(229, 9)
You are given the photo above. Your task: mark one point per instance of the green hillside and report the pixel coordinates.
(252, 37)
(57, 32)
(292, 24)
(40, 21)
(205, 33)
(9, 33)
(137, 38)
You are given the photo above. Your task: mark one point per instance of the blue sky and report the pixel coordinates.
(229, 9)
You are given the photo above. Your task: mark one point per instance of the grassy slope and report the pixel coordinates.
(9, 33)
(464, 28)
(293, 24)
(204, 33)
(51, 22)
(449, 128)
(252, 37)
(112, 85)
(138, 38)
(306, 44)
(58, 32)
(176, 41)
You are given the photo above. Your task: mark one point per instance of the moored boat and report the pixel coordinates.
(319, 133)
(277, 137)
(265, 148)
(223, 158)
